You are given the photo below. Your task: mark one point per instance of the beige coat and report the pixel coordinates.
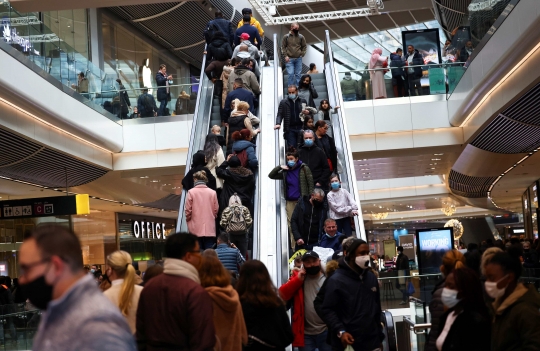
(113, 294)
(225, 78)
(214, 163)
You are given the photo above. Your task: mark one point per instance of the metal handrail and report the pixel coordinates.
(427, 65)
(334, 93)
(418, 329)
(256, 198)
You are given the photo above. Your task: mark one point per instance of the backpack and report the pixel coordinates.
(147, 104)
(220, 54)
(233, 219)
(243, 157)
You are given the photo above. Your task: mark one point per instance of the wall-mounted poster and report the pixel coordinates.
(432, 244)
(426, 41)
(407, 241)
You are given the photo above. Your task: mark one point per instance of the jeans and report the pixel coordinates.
(291, 137)
(294, 70)
(414, 83)
(316, 342)
(344, 226)
(162, 106)
(349, 97)
(206, 242)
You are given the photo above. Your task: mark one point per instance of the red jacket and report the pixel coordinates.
(294, 288)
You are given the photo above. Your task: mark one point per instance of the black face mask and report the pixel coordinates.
(295, 31)
(313, 270)
(317, 204)
(38, 292)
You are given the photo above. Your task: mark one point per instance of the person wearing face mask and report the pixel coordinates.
(175, 312)
(294, 47)
(77, 316)
(315, 158)
(297, 183)
(352, 305)
(341, 206)
(308, 219)
(451, 260)
(530, 257)
(326, 143)
(289, 114)
(307, 91)
(330, 237)
(310, 332)
(465, 326)
(517, 316)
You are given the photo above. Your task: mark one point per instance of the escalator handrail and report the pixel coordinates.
(334, 93)
(388, 324)
(191, 149)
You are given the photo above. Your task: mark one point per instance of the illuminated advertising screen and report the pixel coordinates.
(426, 41)
(432, 244)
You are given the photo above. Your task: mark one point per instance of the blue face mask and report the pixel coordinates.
(335, 185)
(291, 164)
(308, 142)
(292, 96)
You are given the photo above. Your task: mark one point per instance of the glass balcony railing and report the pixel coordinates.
(19, 324)
(396, 289)
(26, 38)
(419, 80)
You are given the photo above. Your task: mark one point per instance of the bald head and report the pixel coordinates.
(243, 48)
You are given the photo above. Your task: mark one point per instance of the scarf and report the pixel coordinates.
(375, 55)
(181, 268)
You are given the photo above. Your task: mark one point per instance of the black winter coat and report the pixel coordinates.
(331, 153)
(269, 324)
(236, 124)
(297, 221)
(469, 332)
(239, 180)
(285, 111)
(219, 49)
(396, 63)
(436, 309)
(352, 303)
(161, 81)
(312, 92)
(315, 158)
(188, 183)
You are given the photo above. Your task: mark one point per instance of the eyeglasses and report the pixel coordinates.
(24, 268)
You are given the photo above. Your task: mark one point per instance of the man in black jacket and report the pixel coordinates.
(315, 158)
(219, 48)
(289, 113)
(413, 58)
(307, 220)
(125, 104)
(402, 265)
(219, 24)
(241, 94)
(253, 32)
(398, 74)
(352, 305)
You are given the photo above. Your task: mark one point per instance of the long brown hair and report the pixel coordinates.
(212, 273)
(451, 260)
(255, 286)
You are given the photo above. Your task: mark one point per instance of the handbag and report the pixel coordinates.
(410, 288)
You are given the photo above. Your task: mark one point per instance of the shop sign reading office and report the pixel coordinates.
(150, 230)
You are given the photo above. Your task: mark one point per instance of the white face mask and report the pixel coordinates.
(362, 261)
(493, 291)
(449, 297)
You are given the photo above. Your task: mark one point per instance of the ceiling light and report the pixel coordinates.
(435, 159)
(155, 181)
(144, 177)
(438, 154)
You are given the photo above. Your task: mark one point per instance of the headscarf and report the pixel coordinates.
(198, 159)
(375, 55)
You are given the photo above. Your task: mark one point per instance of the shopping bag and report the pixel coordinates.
(349, 348)
(410, 288)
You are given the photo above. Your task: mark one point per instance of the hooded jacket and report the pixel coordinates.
(416, 61)
(306, 179)
(252, 49)
(241, 145)
(348, 86)
(219, 48)
(294, 289)
(239, 180)
(316, 160)
(228, 318)
(396, 61)
(516, 321)
(352, 303)
(175, 312)
(198, 165)
(248, 77)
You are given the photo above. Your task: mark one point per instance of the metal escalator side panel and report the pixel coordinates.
(199, 130)
(341, 134)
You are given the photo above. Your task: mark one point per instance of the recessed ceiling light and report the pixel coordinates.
(144, 177)
(435, 159)
(155, 181)
(438, 154)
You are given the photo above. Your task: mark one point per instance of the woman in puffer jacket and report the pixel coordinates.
(242, 141)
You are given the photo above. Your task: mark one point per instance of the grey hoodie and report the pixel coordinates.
(252, 49)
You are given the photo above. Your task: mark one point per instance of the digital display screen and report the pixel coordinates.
(426, 41)
(432, 245)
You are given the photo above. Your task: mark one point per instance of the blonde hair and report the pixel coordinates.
(242, 106)
(486, 258)
(120, 262)
(215, 127)
(452, 259)
(200, 175)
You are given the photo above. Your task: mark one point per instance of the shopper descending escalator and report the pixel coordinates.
(325, 114)
(236, 221)
(229, 322)
(315, 158)
(341, 206)
(238, 180)
(219, 24)
(237, 121)
(466, 324)
(288, 114)
(267, 322)
(244, 149)
(201, 211)
(240, 93)
(310, 331)
(198, 164)
(252, 49)
(248, 78)
(297, 183)
(331, 238)
(307, 91)
(308, 124)
(327, 144)
(307, 220)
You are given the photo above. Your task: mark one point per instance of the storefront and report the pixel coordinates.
(529, 201)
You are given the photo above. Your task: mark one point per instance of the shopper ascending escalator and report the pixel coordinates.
(238, 179)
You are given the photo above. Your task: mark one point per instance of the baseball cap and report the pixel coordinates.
(310, 254)
(244, 36)
(246, 10)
